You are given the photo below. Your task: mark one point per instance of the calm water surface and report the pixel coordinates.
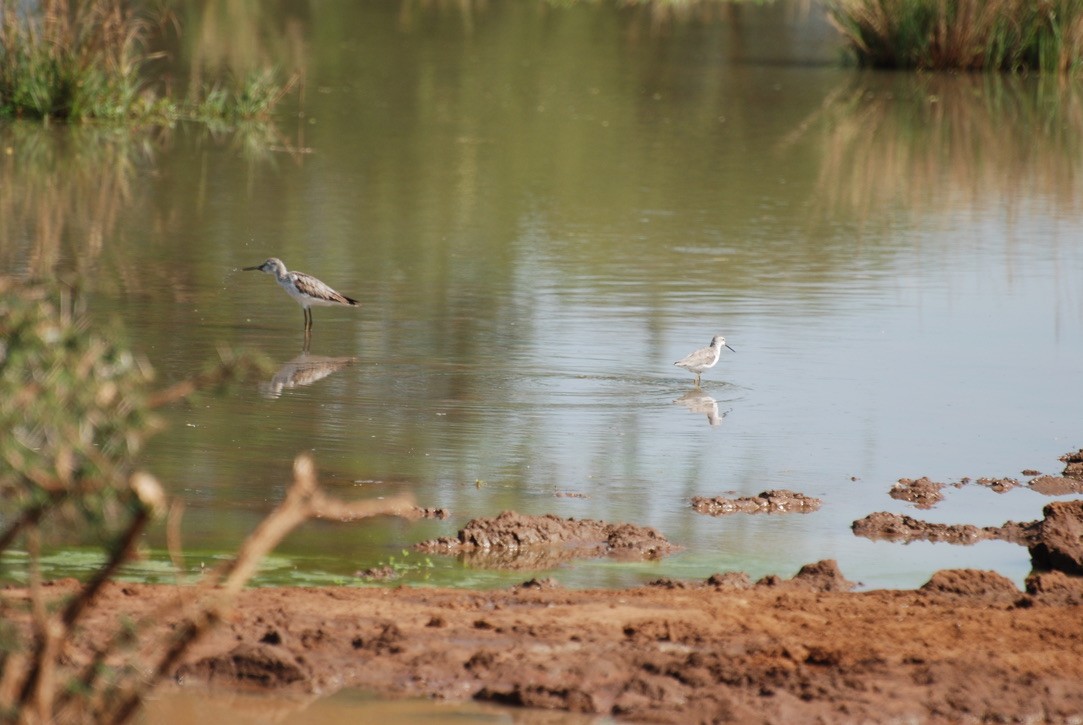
(540, 209)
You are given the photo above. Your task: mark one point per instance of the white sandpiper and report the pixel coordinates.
(306, 289)
(703, 358)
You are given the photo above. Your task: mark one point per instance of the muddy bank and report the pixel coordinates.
(968, 646)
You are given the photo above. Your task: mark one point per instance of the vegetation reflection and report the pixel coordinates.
(932, 142)
(63, 190)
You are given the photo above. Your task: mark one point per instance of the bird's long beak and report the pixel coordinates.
(257, 268)
(731, 349)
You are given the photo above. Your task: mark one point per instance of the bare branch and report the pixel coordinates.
(303, 500)
(149, 497)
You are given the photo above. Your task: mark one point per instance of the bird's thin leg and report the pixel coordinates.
(308, 340)
(308, 319)
(697, 378)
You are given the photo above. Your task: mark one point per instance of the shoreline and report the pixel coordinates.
(969, 645)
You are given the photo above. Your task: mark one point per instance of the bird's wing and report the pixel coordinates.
(312, 287)
(695, 358)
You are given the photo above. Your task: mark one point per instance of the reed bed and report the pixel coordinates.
(971, 35)
(70, 60)
(87, 60)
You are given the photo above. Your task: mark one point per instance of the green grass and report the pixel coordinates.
(1003, 35)
(86, 60)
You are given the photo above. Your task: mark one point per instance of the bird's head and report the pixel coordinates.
(271, 266)
(719, 341)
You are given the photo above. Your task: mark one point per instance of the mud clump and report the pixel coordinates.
(972, 584)
(517, 541)
(250, 667)
(922, 492)
(1068, 482)
(823, 576)
(429, 512)
(897, 527)
(774, 501)
(998, 485)
(1013, 532)
(1059, 544)
(1073, 467)
(730, 580)
(1055, 588)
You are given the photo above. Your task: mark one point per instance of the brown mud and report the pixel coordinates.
(921, 492)
(925, 493)
(899, 527)
(517, 541)
(776, 501)
(968, 646)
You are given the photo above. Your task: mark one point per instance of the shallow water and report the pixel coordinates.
(540, 209)
(182, 708)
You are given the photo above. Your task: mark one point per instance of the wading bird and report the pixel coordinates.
(306, 289)
(703, 358)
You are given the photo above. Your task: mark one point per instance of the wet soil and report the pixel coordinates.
(966, 647)
(1056, 485)
(921, 492)
(517, 541)
(776, 501)
(925, 493)
(899, 527)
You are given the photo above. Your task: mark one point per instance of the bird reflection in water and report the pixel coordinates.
(697, 401)
(304, 369)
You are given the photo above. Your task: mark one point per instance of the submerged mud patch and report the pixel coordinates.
(1056, 485)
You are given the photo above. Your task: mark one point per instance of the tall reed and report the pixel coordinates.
(1008, 35)
(70, 59)
(86, 59)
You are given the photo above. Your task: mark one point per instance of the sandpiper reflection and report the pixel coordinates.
(304, 369)
(697, 401)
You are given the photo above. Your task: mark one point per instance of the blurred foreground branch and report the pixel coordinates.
(303, 501)
(28, 681)
(76, 406)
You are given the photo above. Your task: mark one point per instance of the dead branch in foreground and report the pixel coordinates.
(37, 674)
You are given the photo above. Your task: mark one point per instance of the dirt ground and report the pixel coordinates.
(967, 647)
